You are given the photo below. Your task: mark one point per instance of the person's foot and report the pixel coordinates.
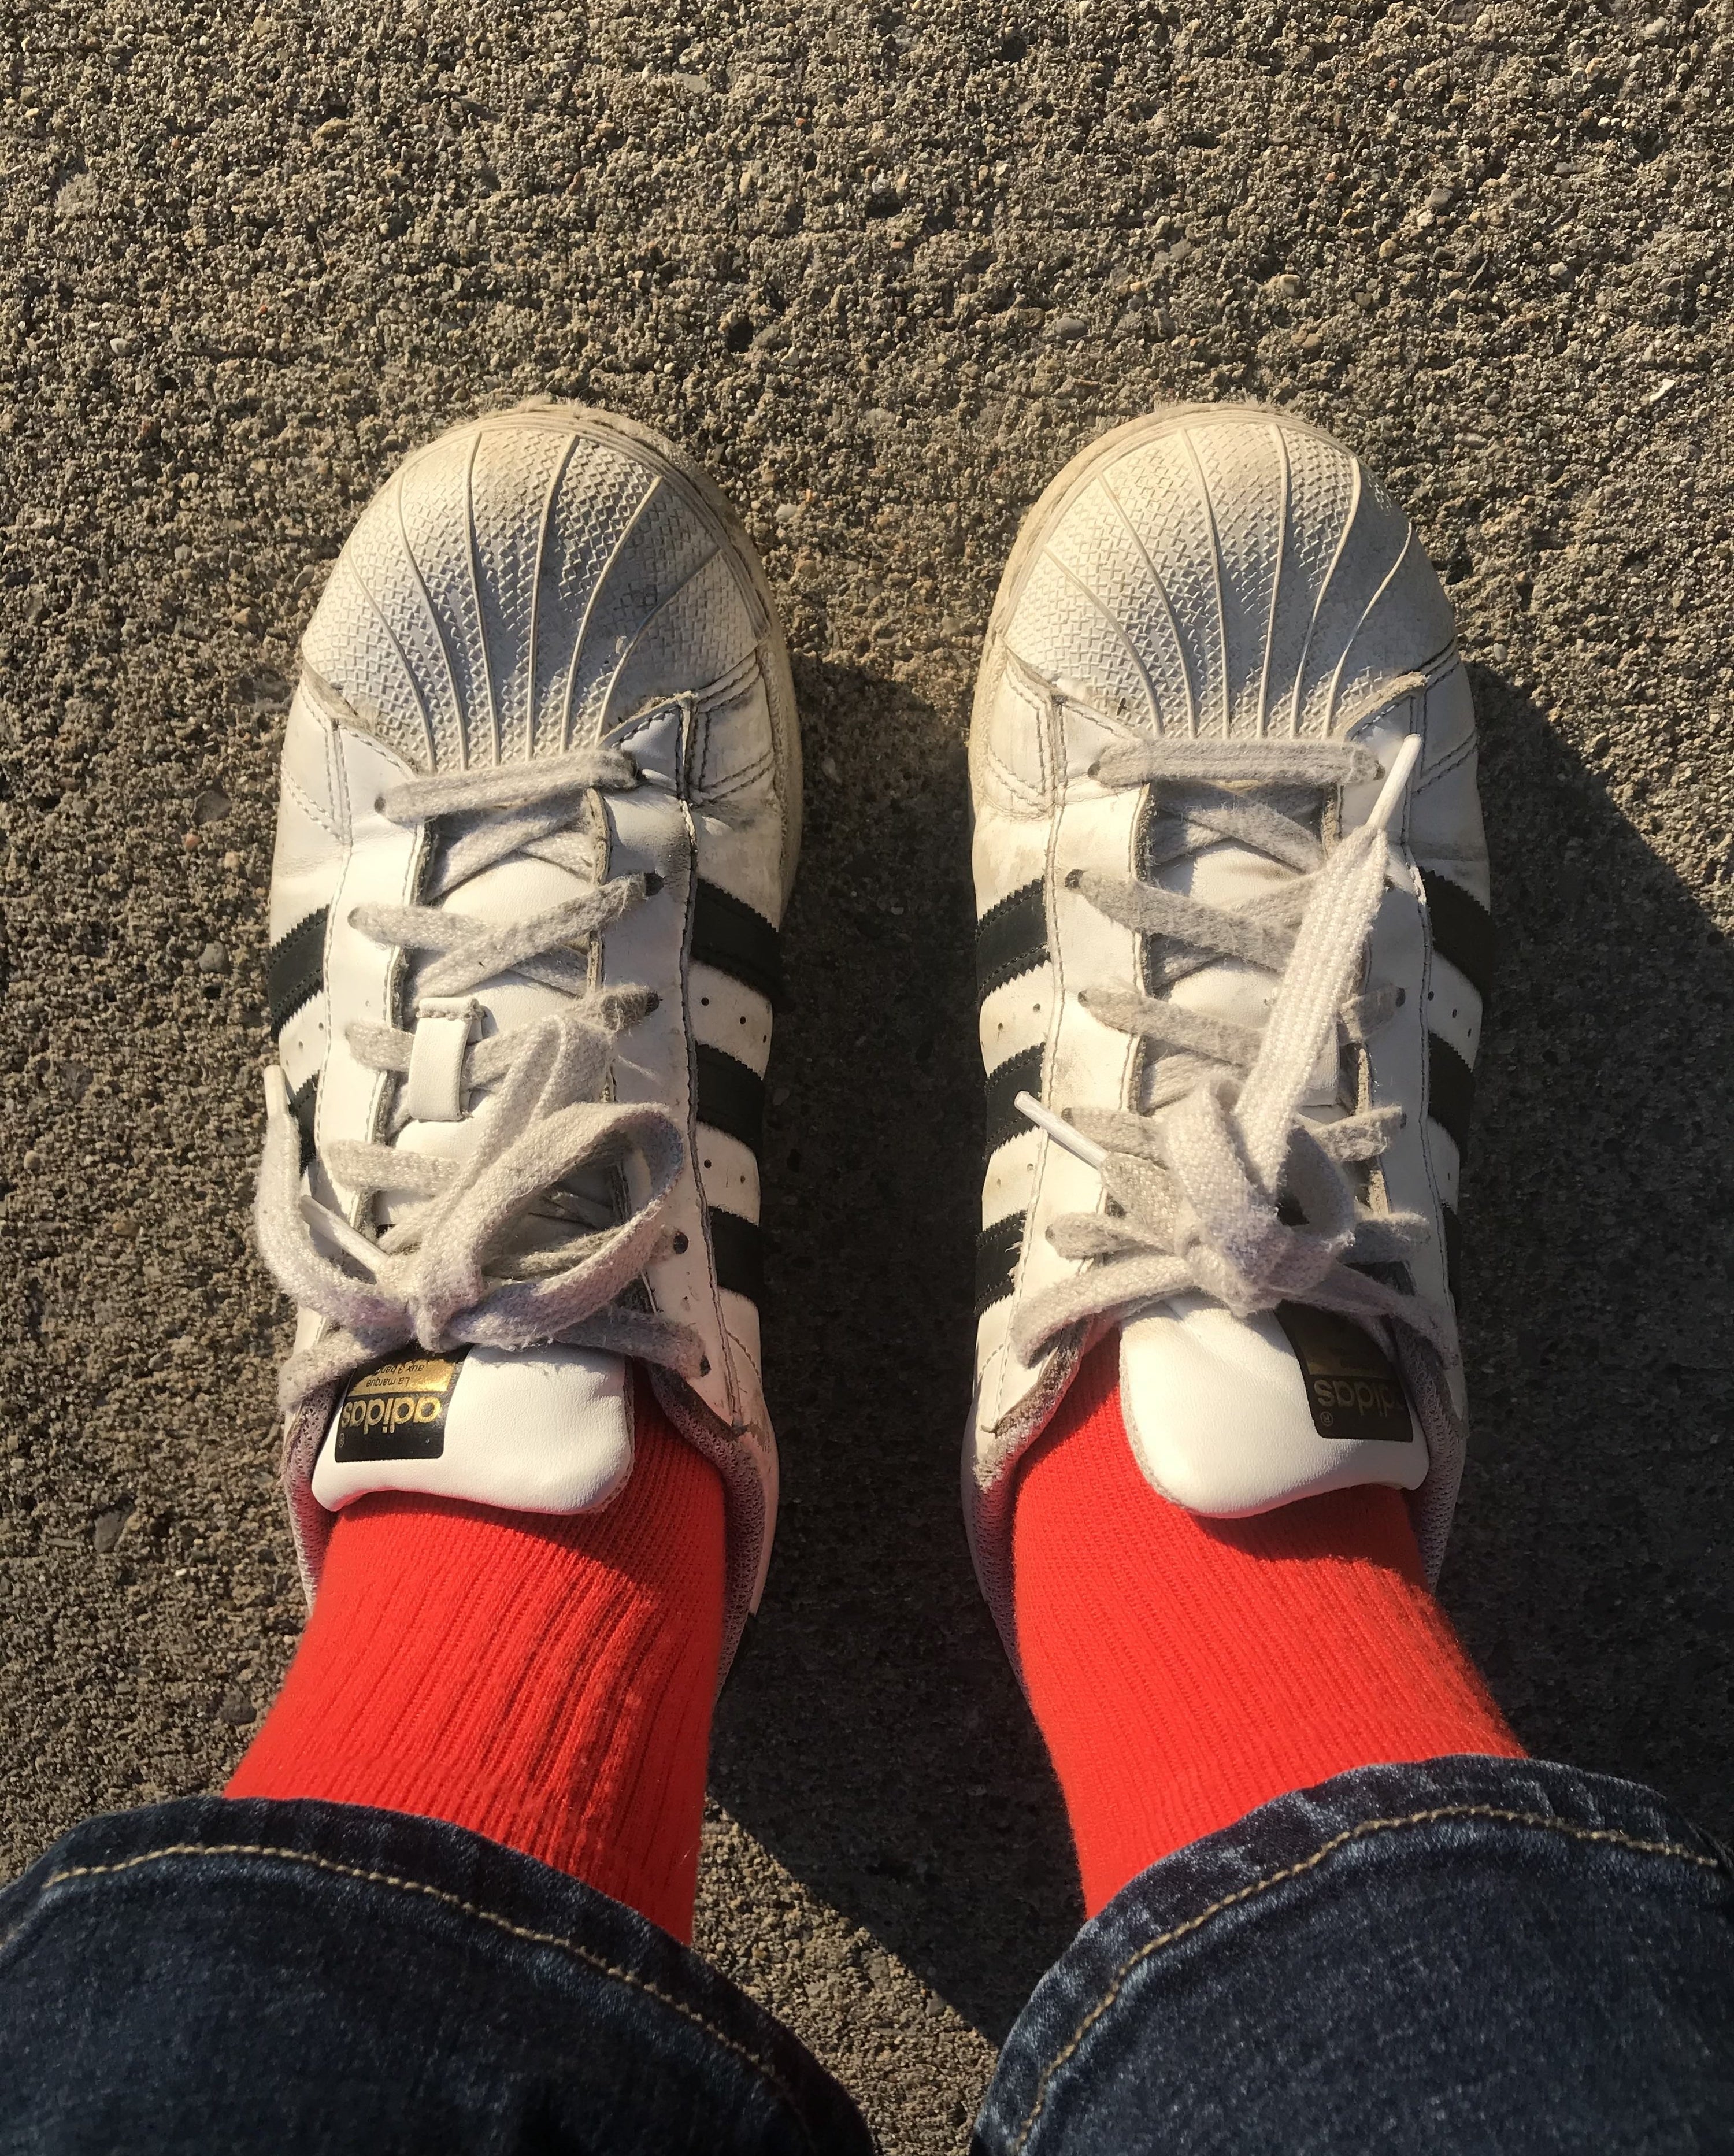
(1233, 941)
(539, 820)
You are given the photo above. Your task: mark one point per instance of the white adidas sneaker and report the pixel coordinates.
(540, 814)
(1232, 944)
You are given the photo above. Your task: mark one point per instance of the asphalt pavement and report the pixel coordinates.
(883, 268)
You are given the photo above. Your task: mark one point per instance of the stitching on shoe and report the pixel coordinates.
(746, 775)
(1026, 796)
(327, 822)
(1497, 1812)
(1444, 768)
(486, 1916)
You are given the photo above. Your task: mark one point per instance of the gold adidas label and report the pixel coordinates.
(397, 1410)
(1352, 1389)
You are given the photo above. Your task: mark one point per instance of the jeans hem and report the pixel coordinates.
(525, 1933)
(316, 1862)
(1182, 1907)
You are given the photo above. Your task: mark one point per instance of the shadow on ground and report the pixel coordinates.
(873, 1737)
(1591, 1570)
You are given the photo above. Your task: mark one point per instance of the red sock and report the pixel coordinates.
(1184, 1670)
(547, 1682)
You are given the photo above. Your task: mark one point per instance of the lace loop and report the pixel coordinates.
(509, 785)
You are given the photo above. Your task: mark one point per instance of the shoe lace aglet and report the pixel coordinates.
(1396, 778)
(1061, 1131)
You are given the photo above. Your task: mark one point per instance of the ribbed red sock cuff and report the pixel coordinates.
(545, 1680)
(1184, 1670)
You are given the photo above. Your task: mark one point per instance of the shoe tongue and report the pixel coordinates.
(1229, 876)
(535, 1430)
(1231, 1415)
(511, 891)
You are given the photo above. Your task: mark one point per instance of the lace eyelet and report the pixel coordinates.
(704, 1366)
(379, 805)
(1402, 998)
(1074, 879)
(680, 1245)
(653, 883)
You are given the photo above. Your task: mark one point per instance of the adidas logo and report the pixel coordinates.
(397, 1411)
(1352, 1388)
(1360, 1396)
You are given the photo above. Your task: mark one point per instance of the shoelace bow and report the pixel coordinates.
(1223, 1187)
(494, 1250)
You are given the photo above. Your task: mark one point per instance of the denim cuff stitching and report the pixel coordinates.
(1498, 1814)
(483, 1914)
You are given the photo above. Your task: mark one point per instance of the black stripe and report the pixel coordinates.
(302, 1103)
(1462, 929)
(1021, 1074)
(1453, 1247)
(294, 969)
(1450, 1089)
(996, 1250)
(1011, 938)
(737, 940)
(1397, 1277)
(731, 1097)
(739, 1249)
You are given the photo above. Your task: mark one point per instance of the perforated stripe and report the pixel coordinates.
(1462, 930)
(1011, 938)
(996, 1250)
(1450, 1090)
(739, 1248)
(731, 1096)
(295, 968)
(1019, 1074)
(737, 940)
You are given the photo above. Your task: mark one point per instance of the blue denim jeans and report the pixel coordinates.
(1470, 1954)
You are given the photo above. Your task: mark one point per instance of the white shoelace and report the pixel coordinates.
(1200, 1184)
(496, 1250)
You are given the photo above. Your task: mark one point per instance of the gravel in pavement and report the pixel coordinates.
(883, 268)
